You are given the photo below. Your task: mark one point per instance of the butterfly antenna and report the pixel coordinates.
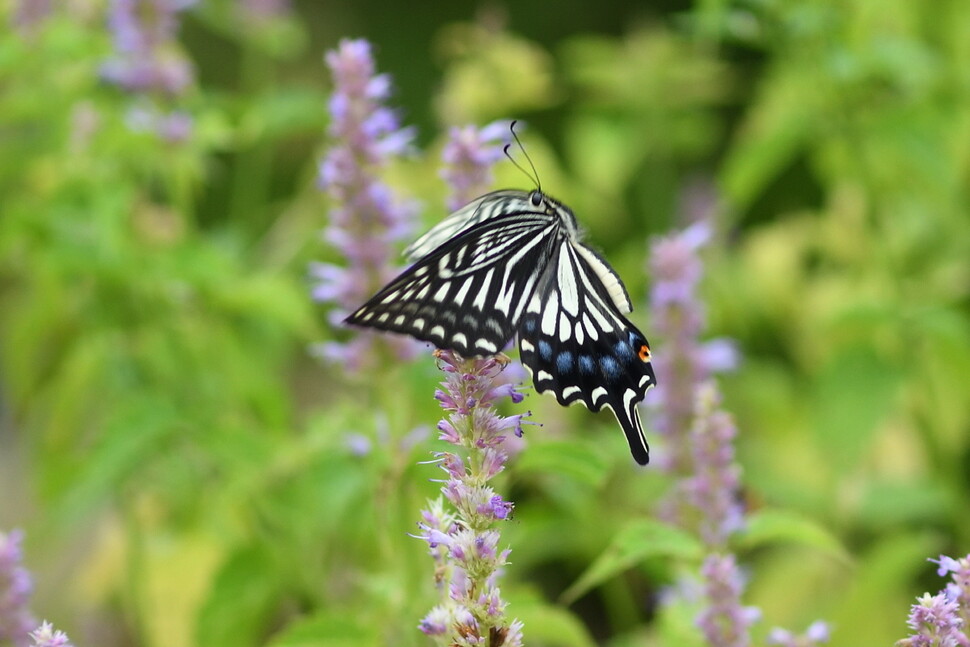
(534, 176)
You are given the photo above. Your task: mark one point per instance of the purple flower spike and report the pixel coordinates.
(146, 59)
(699, 439)
(935, 621)
(725, 621)
(365, 219)
(471, 606)
(712, 490)
(16, 622)
(679, 320)
(468, 157)
(148, 63)
(943, 619)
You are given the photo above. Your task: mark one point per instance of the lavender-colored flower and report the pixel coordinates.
(365, 220)
(935, 622)
(817, 634)
(712, 490)
(468, 156)
(958, 589)
(678, 318)
(698, 439)
(725, 621)
(699, 436)
(174, 126)
(463, 541)
(16, 622)
(942, 620)
(47, 636)
(146, 58)
(149, 64)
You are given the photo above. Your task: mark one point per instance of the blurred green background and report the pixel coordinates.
(179, 462)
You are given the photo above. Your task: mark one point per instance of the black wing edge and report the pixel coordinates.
(629, 418)
(627, 415)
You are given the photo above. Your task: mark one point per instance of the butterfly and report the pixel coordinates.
(512, 263)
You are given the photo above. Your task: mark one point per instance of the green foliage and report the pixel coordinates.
(632, 543)
(167, 430)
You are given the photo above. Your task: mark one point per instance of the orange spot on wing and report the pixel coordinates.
(644, 353)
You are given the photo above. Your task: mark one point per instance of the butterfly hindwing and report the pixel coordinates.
(467, 294)
(580, 348)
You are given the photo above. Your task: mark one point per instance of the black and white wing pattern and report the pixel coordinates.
(511, 262)
(472, 276)
(578, 346)
(491, 205)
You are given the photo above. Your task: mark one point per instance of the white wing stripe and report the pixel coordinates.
(569, 390)
(580, 336)
(567, 281)
(486, 345)
(565, 330)
(609, 279)
(548, 324)
(463, 291)
(479, 301)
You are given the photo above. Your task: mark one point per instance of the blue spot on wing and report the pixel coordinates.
(545, 350)
(623, 350)
(565, 362)
(611, 369)
(586, 364)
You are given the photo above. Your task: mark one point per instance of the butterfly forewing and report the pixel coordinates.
(491, 205)
(579, 348)
(467, 295)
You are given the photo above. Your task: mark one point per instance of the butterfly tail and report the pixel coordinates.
(628, 415)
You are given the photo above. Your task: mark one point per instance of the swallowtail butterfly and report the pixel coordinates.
(512, 263)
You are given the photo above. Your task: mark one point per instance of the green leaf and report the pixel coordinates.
(767, 527)
(242, 600)
(283, 112)
(332, 628)
(778, 124)
(882, 588)
(892, 502)
(854, 394)
(676, 624)
(545, 623)
(570, 459)
(132, 437)
(639, 540)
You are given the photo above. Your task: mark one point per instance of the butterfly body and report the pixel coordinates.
(512, 263)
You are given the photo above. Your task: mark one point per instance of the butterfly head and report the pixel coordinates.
(536, 198)
(543, 202)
